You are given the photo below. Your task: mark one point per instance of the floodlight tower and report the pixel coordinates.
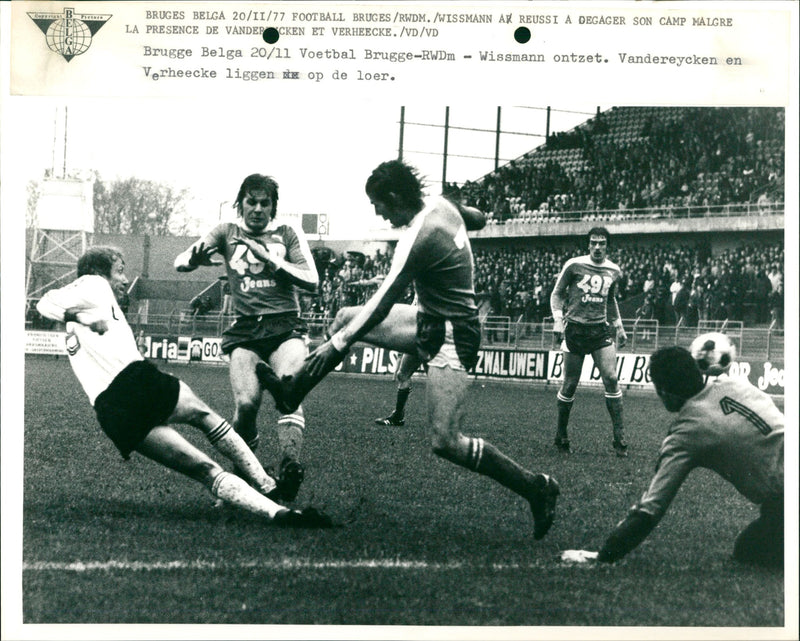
(63, 222)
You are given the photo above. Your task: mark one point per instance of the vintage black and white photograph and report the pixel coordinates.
(395, 366)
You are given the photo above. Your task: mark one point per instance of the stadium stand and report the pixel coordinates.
(662, 161)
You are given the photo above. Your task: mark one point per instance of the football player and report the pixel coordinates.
(443, 330)
(726, 425)
(586, 321)
(266, 262)
(406, 367)
(135, 402)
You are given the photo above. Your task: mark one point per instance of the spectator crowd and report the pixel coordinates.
(666, 160)
(670, 284)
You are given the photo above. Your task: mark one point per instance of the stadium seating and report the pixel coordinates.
(632, 158)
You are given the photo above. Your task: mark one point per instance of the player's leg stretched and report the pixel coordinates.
(446, 393)
(397, 332)
(165, 446)
(193, 411)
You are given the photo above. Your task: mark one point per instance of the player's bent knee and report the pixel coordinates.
(342, 318)
(444, 444)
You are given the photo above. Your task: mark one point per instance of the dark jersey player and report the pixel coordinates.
(586, 315)
(265, 261)
(443, 330)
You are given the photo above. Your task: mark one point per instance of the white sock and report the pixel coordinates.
(234, 490)
(230, 444)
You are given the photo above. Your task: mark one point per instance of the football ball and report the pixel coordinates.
(714, 352)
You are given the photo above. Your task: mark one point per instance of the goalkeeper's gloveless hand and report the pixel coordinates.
(201, 256)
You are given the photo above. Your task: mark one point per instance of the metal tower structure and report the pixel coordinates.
(62, 224)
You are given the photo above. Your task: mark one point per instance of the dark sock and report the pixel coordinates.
(402, 398)
(564, 408)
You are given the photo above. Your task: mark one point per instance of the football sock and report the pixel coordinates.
(225, 439)
(234, 490)
(496, 465)
(614, 406)
(564, 407)
(290, 435)
(402, 398)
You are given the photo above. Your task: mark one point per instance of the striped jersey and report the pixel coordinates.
(96, 358)
(584, 288)
(255, 287)
(730, 427)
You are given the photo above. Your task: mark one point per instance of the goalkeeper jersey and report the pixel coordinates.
(730, 427)
(96, 358)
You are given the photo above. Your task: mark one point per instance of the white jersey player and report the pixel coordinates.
(135, 402)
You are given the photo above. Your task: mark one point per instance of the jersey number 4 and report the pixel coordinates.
(729, 406)
(243, 261)
(594, 284)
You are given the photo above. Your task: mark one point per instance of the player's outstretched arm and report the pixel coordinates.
(199, 254)
(628, 534)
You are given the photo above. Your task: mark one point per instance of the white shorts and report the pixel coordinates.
(447, 356)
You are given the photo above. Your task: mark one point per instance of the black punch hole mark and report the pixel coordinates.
(522, 35)
(270, 35)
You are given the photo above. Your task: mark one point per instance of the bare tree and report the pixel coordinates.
(34, 191)
(137, 206)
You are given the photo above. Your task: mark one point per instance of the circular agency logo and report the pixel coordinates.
(69, 33)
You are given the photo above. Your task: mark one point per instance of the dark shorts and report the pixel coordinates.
(586, 339)
(139, 398)
(431, 333)
(263, 334)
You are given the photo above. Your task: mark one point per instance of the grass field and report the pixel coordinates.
(423, 542)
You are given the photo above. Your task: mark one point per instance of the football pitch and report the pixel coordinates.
(422, 542)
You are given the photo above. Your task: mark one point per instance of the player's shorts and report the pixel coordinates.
(583, 339)
(139, 398)
(452, 342)
(263, 334)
